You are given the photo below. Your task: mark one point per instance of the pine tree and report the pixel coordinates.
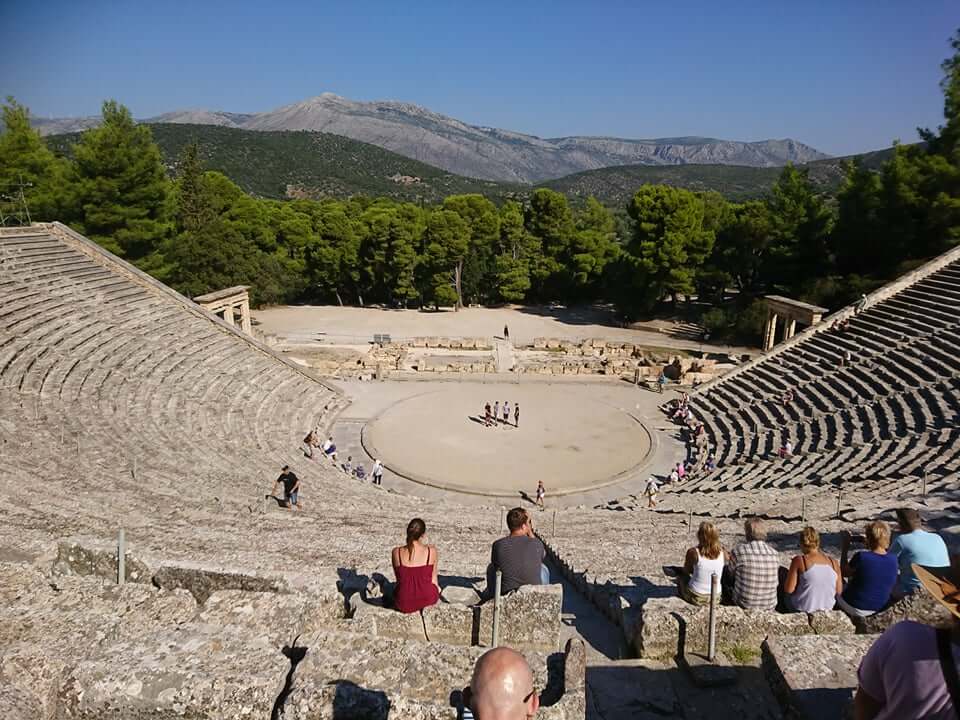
(28, 166)
(120, 185)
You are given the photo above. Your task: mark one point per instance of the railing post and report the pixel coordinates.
(553, 533)
(839, 497)
(803, 509)
(121, 558)
(495, 641)
(923, 484)
(712, 630)
(500, 528)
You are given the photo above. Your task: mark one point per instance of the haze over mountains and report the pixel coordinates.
(473, 151)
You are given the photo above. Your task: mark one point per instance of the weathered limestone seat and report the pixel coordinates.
(529, 620)
(238, 654)
(668, 627)
(814, 676)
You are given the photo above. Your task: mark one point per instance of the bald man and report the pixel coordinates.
(502, 687)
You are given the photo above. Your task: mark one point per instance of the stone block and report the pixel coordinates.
(455, 343)
(833, 622)
(186, 672)
(919, 606)
(386, 622)
(814, 676)
(529, 618)
(433, 342)
(17, 703)
(418, 342)
(482, 344)
(201, 582)
(671, 626)
(539, 343)
(468, 343)
(96, 558)
(450, 624)
(459, 595)
(552, 344)
(272, 617)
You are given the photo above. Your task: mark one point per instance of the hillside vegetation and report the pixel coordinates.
(307, 164)
(614, 186)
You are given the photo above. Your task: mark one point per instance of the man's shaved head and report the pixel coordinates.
(501, 681)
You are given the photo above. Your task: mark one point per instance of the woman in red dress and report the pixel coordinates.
(415, 567)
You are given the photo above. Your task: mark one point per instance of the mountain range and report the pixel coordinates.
(474, 151)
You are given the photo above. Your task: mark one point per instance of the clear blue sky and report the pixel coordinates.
(842, 76)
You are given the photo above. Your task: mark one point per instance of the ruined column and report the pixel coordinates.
(228, 314)
(770, 336)
(791, 329)
(245, 316)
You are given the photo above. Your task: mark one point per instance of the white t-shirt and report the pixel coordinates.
(378, 468)
(652, 487)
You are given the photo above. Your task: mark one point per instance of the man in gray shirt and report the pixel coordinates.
(519, 556)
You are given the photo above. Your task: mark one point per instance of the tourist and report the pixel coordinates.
(711, 463)
(506, 333)
(516, 415)
(681, 471)
(915, 546)
(291, 488)
(308, 444)
(377, 472)
(911, 670)
(329, 447)
(360, 472)
(496, 412)
(813, 580)
(541, 494)
(661, 381)
(872, 572)
(787, 397)
(347, 467)
(861, 304)
(756, 568)
(786, 450)
(501, 687)
(506, 412)
(415, 567)
(651, 490)
(701, 562)
(673, 477)
(486, 414)
(519, 556)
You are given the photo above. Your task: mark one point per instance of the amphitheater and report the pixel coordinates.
(126, 406)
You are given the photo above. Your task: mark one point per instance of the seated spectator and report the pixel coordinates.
(501, 687)
(787, 397)
(291, 488)
(415, 567)
(909, 670)
(786, 450)
(681, 471)
(347, 467)
(360, 472)
(872, 572)
(519, 556)
(706, 559)
(813, 580)
(756, 568)
(329, 447)
(711, 464)
(915, 546)
(673, 477)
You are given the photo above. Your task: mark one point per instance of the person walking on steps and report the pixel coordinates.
(506, 412)
(496, 412)
(377, 472)
(541, 494)
(516, 415)
(506, 333)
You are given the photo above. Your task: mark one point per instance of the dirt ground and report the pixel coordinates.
(298, 323)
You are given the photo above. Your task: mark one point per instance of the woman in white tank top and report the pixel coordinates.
(701, 562)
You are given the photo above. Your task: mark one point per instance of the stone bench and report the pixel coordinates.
(668, 627)
(814, 677)
(529, 620)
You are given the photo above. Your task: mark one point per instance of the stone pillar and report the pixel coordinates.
(770, 333)
(791, 329)
(228, 314)
(245, 316)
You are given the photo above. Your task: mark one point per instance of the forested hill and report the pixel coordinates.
(614, 186)
(285, 164)
(308, 164)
